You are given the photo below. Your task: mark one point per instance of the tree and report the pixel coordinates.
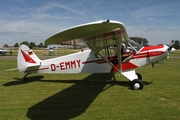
(16, 45)
(25, 43)
(142, 41)
(31, 45)
(40, 44)
(176, 44)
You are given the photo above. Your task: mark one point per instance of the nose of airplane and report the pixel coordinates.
(168, 49)
(171, 49)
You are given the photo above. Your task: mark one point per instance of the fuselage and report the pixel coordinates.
(150, 55)
(87, 62)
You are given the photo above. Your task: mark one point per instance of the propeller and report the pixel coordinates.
(171, 49)
(171, 46)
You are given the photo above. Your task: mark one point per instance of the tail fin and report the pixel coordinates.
(26, 58)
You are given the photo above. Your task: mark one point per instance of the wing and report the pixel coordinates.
(86, 30)
(103, 37)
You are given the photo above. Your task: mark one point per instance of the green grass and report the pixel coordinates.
(85, 96)
(175, 53)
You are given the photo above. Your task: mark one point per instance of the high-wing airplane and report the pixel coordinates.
(103, 54)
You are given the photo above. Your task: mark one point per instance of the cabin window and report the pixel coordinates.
(132, 45)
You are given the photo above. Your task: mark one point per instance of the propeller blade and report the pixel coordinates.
(171, 45)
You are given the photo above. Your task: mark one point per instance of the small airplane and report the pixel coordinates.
(3, 51)
(51, 51)
(103, 54)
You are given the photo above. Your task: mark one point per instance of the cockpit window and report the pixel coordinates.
(132, 45)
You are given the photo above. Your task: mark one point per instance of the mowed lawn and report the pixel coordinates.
(91, 96)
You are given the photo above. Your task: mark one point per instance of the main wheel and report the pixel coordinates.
(139, 76)
(136, 84)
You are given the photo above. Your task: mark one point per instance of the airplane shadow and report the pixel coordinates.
(70, 102)
(19, 81)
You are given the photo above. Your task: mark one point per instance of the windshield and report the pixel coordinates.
(134, 45)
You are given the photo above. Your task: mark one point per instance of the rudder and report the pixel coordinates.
(26, 58)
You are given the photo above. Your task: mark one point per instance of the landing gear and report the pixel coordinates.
(139, 76)
(135, 79)
(25, 78)
(136, 84)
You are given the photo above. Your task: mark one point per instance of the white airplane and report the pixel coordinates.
(3, 51)
(103, 54)
(51, 51)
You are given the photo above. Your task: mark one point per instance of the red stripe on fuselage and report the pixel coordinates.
(140, 55)
(155, 53)
(146, 48)
(148, 54)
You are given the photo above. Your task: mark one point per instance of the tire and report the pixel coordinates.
(139, 76)
(136, 84)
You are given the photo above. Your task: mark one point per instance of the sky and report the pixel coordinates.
(36, 20)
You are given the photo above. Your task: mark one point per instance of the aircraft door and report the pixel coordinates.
(107, 47)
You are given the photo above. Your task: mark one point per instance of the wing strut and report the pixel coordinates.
(119, 42)
(103, 46)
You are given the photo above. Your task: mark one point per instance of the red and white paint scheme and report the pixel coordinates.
(102, 40)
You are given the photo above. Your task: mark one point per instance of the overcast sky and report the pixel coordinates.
(35, 20)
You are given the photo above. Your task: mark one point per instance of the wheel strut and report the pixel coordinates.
(25, 78)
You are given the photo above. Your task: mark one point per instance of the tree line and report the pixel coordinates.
(30, 44)
(144, 41)
(140, 40)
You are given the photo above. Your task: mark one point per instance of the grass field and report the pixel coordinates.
(91, 97)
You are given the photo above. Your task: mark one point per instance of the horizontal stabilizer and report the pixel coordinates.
(11, 69)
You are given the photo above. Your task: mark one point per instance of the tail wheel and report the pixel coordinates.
(136, 84)
(25, 78)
